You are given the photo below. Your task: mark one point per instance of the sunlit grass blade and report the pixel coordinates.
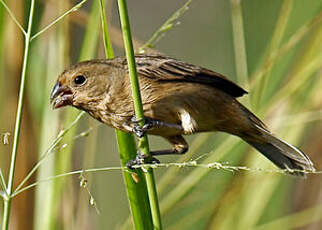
(285, 48)
(275, 42)
(239, 43)
(307, 64)
(47, 167)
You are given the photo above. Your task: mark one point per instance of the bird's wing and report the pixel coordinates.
(165, 69)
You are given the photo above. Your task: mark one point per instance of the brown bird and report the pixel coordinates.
(178, 99)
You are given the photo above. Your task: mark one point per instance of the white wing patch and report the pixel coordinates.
(188, 124)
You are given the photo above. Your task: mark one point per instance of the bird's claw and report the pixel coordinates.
(138, 130)
(141, 159)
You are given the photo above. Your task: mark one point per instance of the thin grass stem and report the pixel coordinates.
(74, 8)
(168, 25)
(188, 164)
(13, 17)
(55, 142)
(7, 206)
(106, 169)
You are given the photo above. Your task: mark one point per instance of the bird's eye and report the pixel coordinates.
(79, 80)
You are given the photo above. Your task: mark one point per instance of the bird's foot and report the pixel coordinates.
(141, 159)
(138, 130)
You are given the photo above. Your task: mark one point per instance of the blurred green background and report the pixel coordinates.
(283, 46)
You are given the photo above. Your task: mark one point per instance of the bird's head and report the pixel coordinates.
(83, 85)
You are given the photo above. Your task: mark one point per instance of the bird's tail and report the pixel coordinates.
(281, 153)
(284, 155)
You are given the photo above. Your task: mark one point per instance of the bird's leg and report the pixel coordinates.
(149, 124)
(180, 146)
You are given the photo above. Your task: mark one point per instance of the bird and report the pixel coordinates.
(178, 99)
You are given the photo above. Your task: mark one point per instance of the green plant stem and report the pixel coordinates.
(143, 143)
(168, 25)
(7, 202)
(137, 191)
(74, 8)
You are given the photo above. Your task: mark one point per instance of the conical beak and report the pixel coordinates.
(61, 96)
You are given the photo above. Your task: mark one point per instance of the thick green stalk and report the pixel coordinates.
(136, 189)
(7, 202)
(135, 183)
(143, 144)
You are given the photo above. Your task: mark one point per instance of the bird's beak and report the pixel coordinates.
(61, 96)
